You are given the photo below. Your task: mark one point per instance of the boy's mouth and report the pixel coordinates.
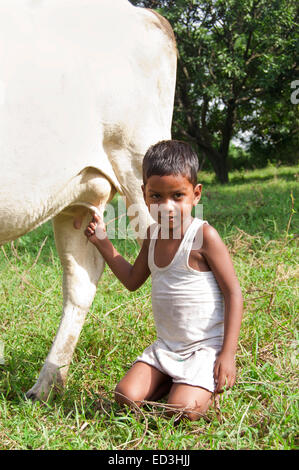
(170, 220)
(166, 217)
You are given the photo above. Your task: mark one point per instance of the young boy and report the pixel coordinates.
(196, 297)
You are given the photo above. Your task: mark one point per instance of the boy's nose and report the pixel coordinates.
(165, 211)
(169, 205)
(169, 209)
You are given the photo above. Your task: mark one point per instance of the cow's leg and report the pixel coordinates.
(82, 267)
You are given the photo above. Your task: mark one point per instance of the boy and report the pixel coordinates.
(196, 298)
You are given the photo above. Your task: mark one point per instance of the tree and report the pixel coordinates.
(233, 57)
(275, 129)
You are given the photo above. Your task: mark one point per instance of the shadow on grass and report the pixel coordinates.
(250, 176)
(21, 368)
(247, 178)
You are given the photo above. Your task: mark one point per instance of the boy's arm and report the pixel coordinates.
(219, 260)
(131, 276)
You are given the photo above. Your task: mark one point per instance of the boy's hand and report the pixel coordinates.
(95, 230)
(224, 371)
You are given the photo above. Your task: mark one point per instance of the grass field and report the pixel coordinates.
(255, 214)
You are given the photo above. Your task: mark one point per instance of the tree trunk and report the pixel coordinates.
(198, 132)
(219, 163)
(221, 170)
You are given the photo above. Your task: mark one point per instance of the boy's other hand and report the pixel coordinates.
(224, 372)
(96, 229)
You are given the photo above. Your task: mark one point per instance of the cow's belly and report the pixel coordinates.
(23, 210)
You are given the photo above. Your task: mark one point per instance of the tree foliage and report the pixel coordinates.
(236, 62)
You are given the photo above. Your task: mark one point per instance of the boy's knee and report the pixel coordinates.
(193, 415)
(186, 411)
(125, 396)
(119, 394)
(190, 414)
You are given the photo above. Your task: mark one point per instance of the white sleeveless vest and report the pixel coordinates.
(187, 304)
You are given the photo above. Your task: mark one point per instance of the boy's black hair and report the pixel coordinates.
(171, 157)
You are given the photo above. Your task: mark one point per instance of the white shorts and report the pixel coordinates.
(192, 368)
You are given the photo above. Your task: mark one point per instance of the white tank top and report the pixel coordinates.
(187, 304)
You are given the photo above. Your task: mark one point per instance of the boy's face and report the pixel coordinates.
(170, 199)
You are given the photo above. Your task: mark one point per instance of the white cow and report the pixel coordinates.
(86, 86)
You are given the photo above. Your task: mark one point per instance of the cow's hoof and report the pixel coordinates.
(31, 396)
(48, 384)
(36, 394)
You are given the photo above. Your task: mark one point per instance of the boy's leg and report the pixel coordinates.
(194, 400)
(142, 382)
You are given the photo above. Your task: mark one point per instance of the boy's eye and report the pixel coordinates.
(178, 195)
(155, 196)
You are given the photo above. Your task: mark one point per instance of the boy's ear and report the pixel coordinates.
(197, 194)
(143, 190)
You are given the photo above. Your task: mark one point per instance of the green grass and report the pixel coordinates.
(255, 215)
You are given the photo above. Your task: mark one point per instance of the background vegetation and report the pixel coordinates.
(255, 215)
(237, 61)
